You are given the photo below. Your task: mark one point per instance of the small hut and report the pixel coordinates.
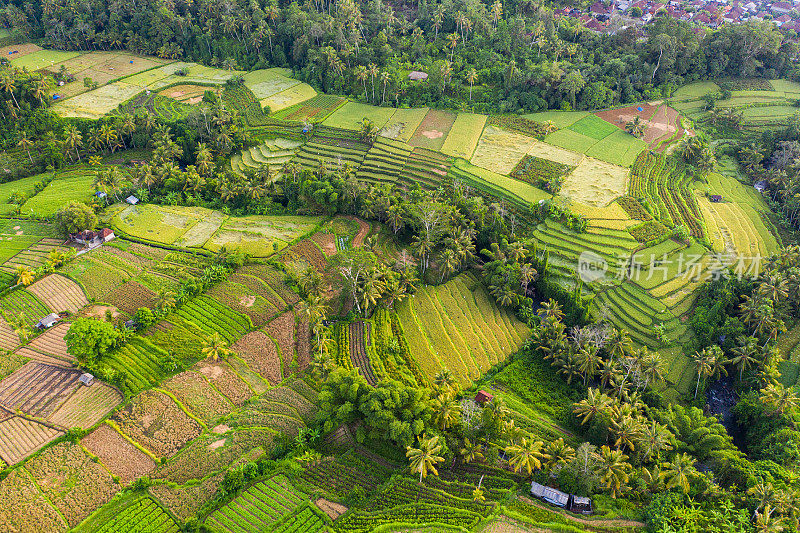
(417, 75)
(132, 200)
(483, 397)
(87, 379)
(580, 505)
(550, 495)
(48, 322)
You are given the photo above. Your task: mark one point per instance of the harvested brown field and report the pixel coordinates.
(20, 438)
(72, 481)
(185, 501)
(38, 389)
(259, 352)
(59, 293)
(303, 335)
(38, 357)
(23, 508)
(198, 396)
(326, 241)
(332, 509)
(661, 121)
(282, 330)
(130, 296)
(156, 422)
(302, 255)
(20, 49)
(118, 455)
(595, 183)
(87, 406)
(52, 343)
(188, 94)
(432, 131)
(225, 380)
(8, 339)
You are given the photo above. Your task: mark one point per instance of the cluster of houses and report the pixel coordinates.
(92, 238)
(706, 13)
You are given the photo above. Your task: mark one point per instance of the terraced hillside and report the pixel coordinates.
(384, 161)
(456, 326)
(334, 147)
(272, 152)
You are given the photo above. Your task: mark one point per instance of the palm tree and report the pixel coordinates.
(73, 140)
(627, 430)
(25, 143)
(596, 402)
(780, 398)
(766, 523)
(471, 76)
(527, 454)
(452, 41)
(702, 360)
(653, 439)
(589, 361)
(557, 453)
(678, 472)
(471, 451)
(215, 347)
(445, 380)
(9, 85)
(614, 469)
(423, 460)
(24, 276)
(446, 411)
(635, 127)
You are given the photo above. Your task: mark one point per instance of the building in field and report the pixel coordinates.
(550, 495)
(580, 505)
(48, 322)
(483, 397)
(92, 238)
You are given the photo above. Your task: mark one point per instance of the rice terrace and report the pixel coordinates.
(364, 266)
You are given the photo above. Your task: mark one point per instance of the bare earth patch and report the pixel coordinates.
(432, 134)
(247, 301)
(99, 311)
(332, 509)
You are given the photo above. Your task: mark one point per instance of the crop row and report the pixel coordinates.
(339, 479)
(138, 362)
(213, 317)
(405, 490)
(542, 173)
(425, 513)
(23, 302)
(144, 516)
(306, 521)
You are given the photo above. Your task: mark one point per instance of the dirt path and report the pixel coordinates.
(363, 230)
(598, 522)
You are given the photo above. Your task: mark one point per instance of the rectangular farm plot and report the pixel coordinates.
(20, 438)
(292, 96)
(267, 82)
(52, 343)
(19, 50)
(570, 140)
(198, 396)
(619, 148)
(595, 183)
(87, 406)
(155, 421)
(559, 119)
(97, 103)
(24, 508)
(594, 127)
(128, 513)
(38, 389)
(499, 150)
(214, 317)
(696, 90)
(433, 130)
(350, 115)
(225, 379)
(260, 353)
(59, 293)
(66, 187)
(259, 507)
(404, 123)
(464, 135)
(40, 59)
(160, 224)
(260, 235)
(543, 150)
(8, 339)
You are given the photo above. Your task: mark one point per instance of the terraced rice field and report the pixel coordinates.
(214, 317)
(433, 130)
(499, 150)
(425, 167)
(38, 389)
(198, 396)
(314, 110)
(517, 192)
(8, 339)
(333, 147)
(70, 185)
(595, 183)
(130, 514)
(59, 293)
(97, 103)
(456, 326)
(565, 246)
(273, 153)
(31, 251)
(258, 508)
(20, 438)
(384, 161)
(139, 360)
(350, 115)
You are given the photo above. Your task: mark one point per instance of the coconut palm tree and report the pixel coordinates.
(527, 455)
(781, 399)
(25, 143)
(556, 454)
(614, 470)
(471, 76)
(73, 140)
(471, 451)
(423, 460)
(446, 411)
(635, 127)
(215, 347)
(597, 402)
(679, 471)
(702, 361)
(744, 354)
(24, 276)
(767, 523)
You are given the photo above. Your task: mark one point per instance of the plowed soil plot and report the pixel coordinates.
(259, 352)
(661, 122)
(130, 296)
(20, 437)
(8, 339)
(433, 130)
(51, 342)
(38, 389)
(59, 293)
(282, 330)
(226, 380)
(358, 350)
(118, 455)
(87, 406)
(156, 422)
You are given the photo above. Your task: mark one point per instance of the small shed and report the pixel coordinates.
(716, 198)
(581, 505)
(48, 322)
(100, 194)
(132, 200)
(417, 75)
(87, 379)
(483, 397)
(760, 185)
(550, 495)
